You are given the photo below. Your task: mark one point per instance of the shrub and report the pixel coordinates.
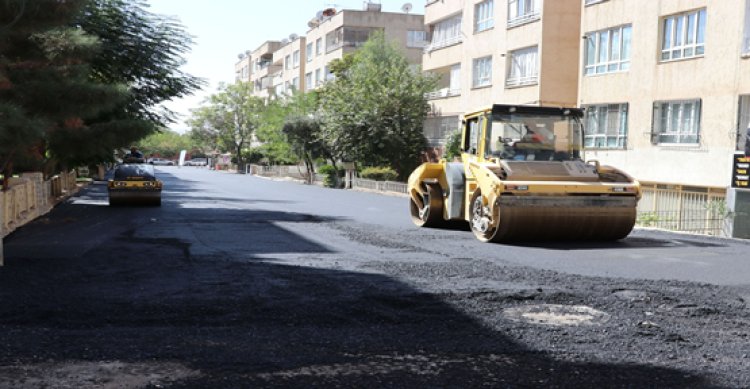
(379, 174)
(331, 179)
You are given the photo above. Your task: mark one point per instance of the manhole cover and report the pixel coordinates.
(557, 315)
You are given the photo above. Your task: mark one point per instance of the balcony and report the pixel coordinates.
(442, 93)
(436, 45)
(517, 82)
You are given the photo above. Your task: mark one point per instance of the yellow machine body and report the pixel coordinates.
(134, 184)
(521, 178)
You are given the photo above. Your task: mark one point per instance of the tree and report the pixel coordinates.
(229, 118)
(303, 134)
(79, 78)
(166, 144)
(45, 88)
(374, 114)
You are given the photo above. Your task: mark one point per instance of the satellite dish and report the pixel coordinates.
(240, 56)
(284, 41)
(293, 37)
(406, 8)
(313, 23)
(319, 15)
(248, 52)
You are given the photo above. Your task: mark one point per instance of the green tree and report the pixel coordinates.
(45, 85)
(303, 134)
(375, 113)
(166, 144)
(229, 119)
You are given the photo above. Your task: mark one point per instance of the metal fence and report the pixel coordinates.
(382, 186)
(699, 210)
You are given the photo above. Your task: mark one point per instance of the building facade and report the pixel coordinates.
(667, 87)
(499, 51)
(277, 68)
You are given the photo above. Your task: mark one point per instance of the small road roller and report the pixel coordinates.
(522, 177)
(134, 184)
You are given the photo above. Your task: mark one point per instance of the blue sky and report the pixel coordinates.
(224, 28)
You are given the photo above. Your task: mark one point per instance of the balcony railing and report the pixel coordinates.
(522, 81)
(454, 40)
(442, 93)
(523, 19)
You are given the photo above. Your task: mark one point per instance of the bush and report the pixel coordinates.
(452, 146)
(331, 179)
(379, 174)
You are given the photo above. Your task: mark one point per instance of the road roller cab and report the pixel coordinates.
(134, 184)
(522, 177)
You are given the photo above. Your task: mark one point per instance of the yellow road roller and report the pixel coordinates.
(522, 177)
(134, 184)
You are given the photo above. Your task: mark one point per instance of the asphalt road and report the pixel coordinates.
(240, 281)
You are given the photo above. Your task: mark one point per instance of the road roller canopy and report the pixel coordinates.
(134, 171)
(525, 133)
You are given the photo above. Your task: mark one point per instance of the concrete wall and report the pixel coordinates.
(29, 197)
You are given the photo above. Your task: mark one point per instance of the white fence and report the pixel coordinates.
(381, 186)
(699, 210)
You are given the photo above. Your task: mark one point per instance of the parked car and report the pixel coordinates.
(197, 162)
(161, 162)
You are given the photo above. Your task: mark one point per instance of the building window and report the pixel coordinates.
(608, 51)
(482, 75)
(683, 35)
(416, 39)
(523, 67)
(319, 46)
(591, 2)
(484, 18)
(295, 59)
(329, 76)
(437, 129)
(606, 126)
(523, 11)
(676, 122)
(288, 62)
(295, 83)
(318, 79)
(746, 34)
(308, 81)
(446, 33)
(309, 52)
(743, 125)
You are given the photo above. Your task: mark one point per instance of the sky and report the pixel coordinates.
(221, 29)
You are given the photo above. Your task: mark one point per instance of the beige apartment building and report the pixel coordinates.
(667, 87)
(499, 51)
(290, 60)
(301, 63)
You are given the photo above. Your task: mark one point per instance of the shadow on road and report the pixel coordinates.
(145, 302)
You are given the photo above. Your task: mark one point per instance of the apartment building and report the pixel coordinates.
(290, 59)
(301, 63)
(499, 51)
(264, 70)
(243, 67)
(335, 34)
(667, 87)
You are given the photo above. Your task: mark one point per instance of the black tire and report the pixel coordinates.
(427, 211)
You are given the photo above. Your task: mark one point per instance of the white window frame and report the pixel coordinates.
(523, 71)
(416, 39)
(295, 59)
(743, 124)
(308, 81)
(288, 62)
(523, 11)
(481, 72)
(309, 52)
(318, 47)
(606, 126)
(676, 122)
(677, 41)
(746, 31)
(600, 55)
(592, 2)
(318, 79)
(484, 16)
(446, 32)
